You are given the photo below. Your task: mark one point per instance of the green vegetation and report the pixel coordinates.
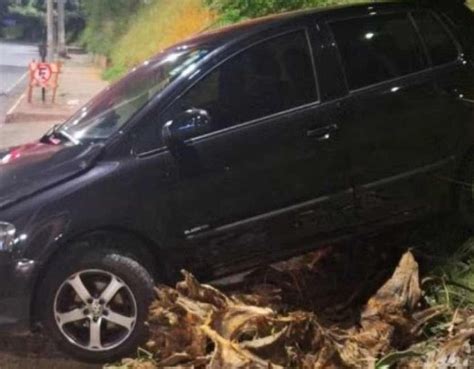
(452, 282)
(107, 21)
(155, 27)
(236, 10)
(129, 32)
(27, 20)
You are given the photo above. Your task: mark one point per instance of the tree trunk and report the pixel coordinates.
(61, 29)
(50, 26)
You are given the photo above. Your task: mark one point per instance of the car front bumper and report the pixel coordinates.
(16, 286)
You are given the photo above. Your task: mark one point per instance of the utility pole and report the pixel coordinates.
(61, 29)
(50, 26)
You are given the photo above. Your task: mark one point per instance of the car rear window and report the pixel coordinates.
(440, 44)
(378, 48)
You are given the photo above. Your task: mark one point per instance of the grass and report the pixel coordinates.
(157, 26)
(454, 277)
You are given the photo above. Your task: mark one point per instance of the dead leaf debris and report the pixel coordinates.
(293, 315)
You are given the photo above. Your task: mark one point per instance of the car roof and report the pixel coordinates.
(225, 34)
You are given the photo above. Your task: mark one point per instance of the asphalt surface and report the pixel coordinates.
(14, 60)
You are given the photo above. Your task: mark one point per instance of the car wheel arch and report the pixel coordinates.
(145, 251)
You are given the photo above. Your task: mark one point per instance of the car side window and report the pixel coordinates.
(378, 48)
(440, 45)
(265, 79)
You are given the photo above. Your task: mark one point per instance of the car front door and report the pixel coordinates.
(270, 171)
(403, 137)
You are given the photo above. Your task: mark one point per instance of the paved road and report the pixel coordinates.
(14, 60)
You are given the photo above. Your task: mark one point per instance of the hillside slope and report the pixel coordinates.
(157, 26)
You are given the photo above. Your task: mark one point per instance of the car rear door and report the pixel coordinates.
(273, 170)
(403, 135)
(452, 61)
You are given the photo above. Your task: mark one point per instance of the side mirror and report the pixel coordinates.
(189, 124)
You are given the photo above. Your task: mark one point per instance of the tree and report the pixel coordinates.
(3, 8)
(61, 28)
(50, 30)
(236, 10)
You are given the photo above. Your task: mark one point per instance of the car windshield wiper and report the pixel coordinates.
(57, 132)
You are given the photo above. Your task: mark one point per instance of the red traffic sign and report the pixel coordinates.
(43, 73)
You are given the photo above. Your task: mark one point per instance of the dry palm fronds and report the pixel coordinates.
(198, 326)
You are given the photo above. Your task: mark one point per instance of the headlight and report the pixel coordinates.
(7, 236)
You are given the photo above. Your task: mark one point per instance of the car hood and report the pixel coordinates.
(31, 168)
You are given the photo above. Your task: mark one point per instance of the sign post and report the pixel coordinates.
(43, 51)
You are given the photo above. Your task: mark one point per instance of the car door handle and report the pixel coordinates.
(322, 133)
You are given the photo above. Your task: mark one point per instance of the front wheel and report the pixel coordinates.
(96, 305)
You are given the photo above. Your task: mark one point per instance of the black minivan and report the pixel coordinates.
(235, 148)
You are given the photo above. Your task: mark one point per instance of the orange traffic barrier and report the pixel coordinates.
(44, 75)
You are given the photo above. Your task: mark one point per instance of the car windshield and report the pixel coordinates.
(114, 107)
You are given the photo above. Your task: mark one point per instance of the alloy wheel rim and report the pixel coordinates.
(95, 310)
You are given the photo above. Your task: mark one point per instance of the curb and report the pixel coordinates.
(15, 116)
(25, 117)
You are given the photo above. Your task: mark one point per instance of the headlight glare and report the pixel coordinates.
(7, 236)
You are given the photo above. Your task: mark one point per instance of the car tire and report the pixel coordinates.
(96, 304)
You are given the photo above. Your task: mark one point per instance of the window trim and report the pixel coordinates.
(429, 67)
(253, 122)
(305, 30)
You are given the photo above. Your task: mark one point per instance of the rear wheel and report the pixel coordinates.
(97, 304)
